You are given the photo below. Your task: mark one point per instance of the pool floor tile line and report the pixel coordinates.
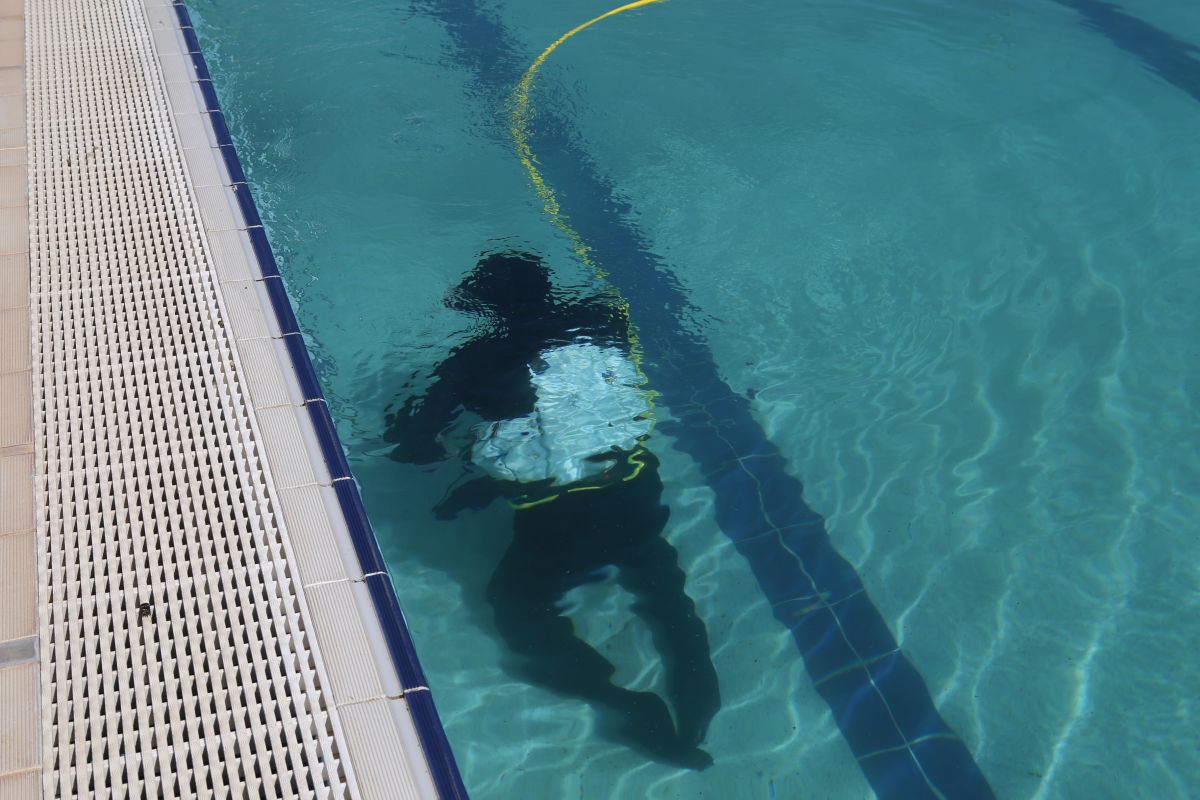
(1175, 60)
(197, 538)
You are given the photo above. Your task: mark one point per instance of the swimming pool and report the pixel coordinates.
(940, 254)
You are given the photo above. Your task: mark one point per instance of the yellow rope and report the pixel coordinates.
(520, 117)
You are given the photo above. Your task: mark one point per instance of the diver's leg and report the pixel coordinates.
(524, 592)
(651, 573)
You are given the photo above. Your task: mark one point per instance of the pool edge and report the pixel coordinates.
(401, 653)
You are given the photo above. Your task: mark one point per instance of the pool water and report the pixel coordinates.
(947, 251)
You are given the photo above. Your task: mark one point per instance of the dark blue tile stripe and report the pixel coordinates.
(220, 130)
(878, 699)
(440, 758)
(262, 248)
(331, 448)
(404, 653)
(437, 749)
(366, 546)
(245, 200)
(306, 377)
(233, 166)
(1174, 60)
(814, 592)
(185, 19)
(201, 66)
(280, 304)
(210, 96)
(189, 38)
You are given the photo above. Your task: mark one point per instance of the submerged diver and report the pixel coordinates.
(563, 421)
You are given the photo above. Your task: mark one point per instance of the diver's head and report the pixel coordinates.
(508, 285)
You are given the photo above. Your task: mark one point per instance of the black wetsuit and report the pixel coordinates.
(563, 538)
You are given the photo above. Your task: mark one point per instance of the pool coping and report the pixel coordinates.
(245, 261)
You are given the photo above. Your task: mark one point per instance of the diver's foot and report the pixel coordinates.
(696, 700)
(693, 724)
(696, 759)
(646, 721)
(691, 735)
(645, 718)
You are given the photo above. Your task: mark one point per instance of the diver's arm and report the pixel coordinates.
(474, 494)
(414, 427)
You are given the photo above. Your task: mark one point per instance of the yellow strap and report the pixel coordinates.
(520, 116)
(533, 503)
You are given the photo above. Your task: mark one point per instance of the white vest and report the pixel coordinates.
(589, 401)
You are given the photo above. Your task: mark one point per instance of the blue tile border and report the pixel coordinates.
(234, 167)
(281, 306)
(310, 388)
(185, 19)
(436, 747)
(245, 199)
(210, 95)
(189, 38)
(201, 66)
(217, 120)
(327, 438)
(400, 643)
(362, 537)
(258, 239)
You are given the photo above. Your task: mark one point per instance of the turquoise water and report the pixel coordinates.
(950, 249)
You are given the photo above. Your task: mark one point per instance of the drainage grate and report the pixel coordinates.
(176, 657)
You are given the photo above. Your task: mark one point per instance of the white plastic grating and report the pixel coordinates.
(152, 484)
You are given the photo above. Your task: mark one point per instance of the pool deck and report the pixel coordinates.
(192, 601)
